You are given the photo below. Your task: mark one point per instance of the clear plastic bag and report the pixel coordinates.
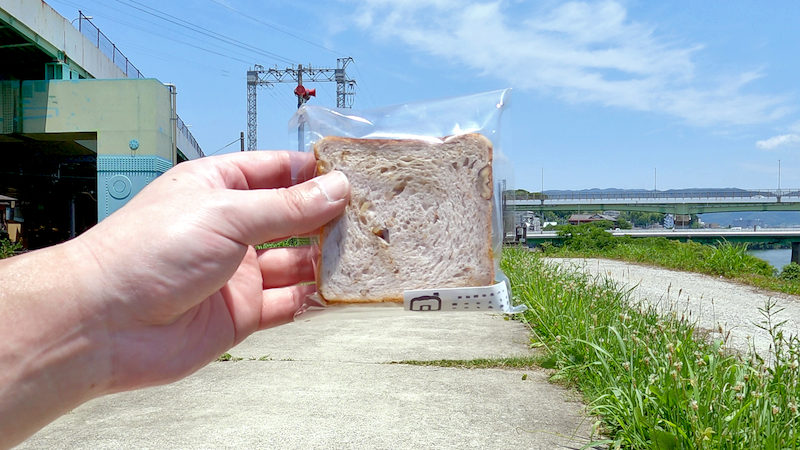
(430, 121)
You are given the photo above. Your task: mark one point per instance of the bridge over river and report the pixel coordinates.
(675, 202)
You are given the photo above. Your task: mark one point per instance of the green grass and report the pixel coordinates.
(290, 242)
(519, 362)
(8, 248)
(227, 357)
(724, 259)
(655, 381)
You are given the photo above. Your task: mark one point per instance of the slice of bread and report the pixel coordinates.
(420, 216)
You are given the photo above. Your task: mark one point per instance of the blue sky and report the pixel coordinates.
(625, 94)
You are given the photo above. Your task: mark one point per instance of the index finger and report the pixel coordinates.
(262, 169)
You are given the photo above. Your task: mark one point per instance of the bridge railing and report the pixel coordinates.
(184, 130)
(101, 41)
(740, 194)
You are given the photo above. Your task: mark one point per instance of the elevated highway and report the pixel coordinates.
(81, 129)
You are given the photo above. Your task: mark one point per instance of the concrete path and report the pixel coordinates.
(324, 382)
(714, 303)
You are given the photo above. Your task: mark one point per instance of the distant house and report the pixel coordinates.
(682, 220)
(577, 219)
(8, 223)
(669, 221)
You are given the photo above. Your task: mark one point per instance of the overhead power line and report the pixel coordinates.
(238, 139)
(137, 25)
(274, 27)
(201, 30)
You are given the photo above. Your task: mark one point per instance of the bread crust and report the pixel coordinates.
(324, 166)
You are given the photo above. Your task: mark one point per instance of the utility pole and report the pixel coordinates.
(260, 76)
(655, 179)
(241, 141)
(542, 191)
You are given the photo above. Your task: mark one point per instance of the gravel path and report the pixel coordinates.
(712, 302)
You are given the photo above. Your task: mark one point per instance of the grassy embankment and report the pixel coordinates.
(657, 381)
(725, 259)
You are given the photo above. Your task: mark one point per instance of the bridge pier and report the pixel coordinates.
(796, 252)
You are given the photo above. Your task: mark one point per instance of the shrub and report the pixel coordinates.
(8, 248)
(589, 236)
(790, 272)
(731, 260)
(623, 224)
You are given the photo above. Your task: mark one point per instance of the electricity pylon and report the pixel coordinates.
(260, 76)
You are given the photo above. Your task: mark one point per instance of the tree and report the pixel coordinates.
(641, 219)
(588, 236)
(623, 224)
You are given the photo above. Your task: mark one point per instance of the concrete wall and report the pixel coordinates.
(119, 111)
(132, 122)
(57, 33)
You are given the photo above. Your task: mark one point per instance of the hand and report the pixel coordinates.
(162, 286)
(179, 280)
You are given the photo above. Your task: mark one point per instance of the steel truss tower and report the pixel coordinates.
(259, 76)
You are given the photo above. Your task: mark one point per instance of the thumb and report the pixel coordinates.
(262, 215)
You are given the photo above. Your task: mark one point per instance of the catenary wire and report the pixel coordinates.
(274, 27)
(238, 139)
(200, 30)
(171, 39)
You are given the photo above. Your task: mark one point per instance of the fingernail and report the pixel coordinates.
(334, 185)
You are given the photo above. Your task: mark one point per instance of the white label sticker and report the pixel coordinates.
(483, 298)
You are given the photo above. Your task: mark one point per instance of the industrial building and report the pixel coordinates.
(81, 129)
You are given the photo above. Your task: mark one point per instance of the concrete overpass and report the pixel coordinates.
(81, 130)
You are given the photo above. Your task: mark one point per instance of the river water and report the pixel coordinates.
(777, 257)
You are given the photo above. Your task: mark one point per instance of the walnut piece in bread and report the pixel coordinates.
(420, 216)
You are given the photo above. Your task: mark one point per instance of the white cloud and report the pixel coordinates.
(779, 141)
(579, 51)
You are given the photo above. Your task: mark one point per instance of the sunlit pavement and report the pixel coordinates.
(325, 382)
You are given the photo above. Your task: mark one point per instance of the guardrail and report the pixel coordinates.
(660, 195)
(102, 42)
(184, 130)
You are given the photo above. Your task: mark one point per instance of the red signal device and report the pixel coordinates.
(301, 91)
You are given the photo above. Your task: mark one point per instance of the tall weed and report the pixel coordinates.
(657, 381)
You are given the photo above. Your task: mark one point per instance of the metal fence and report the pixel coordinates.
(184, 130)
(718, 194)
(102, 42)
